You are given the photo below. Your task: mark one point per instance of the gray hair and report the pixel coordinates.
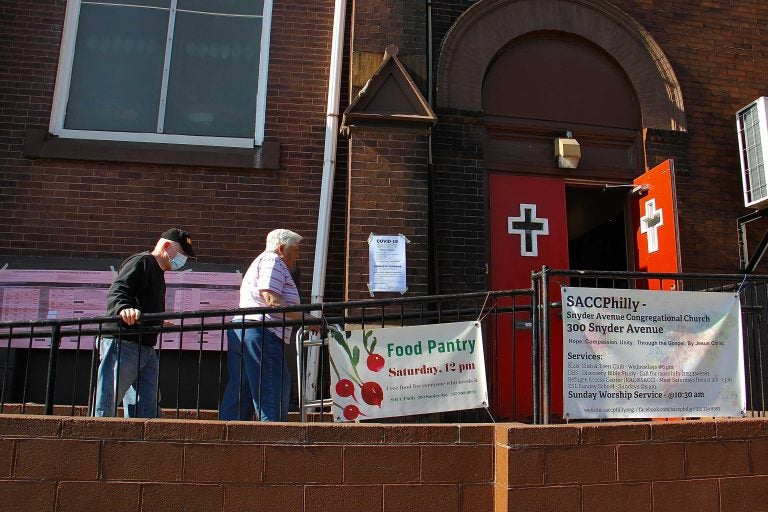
(278, 237)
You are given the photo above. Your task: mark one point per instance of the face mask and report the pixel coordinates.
(178, 261)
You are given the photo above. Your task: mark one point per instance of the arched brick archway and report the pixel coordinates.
(489, 25)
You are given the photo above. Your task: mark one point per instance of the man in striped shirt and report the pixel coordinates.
(259, 379)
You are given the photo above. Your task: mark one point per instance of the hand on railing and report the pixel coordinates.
(130, 315)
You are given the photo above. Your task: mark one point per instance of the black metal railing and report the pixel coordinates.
(50, 366)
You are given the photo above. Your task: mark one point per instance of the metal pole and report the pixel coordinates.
(53, 356)
(326, 189)
(545, 373)
(535, 353)
(759, 253)
(300, 373)
(743, 254)
(747, 264)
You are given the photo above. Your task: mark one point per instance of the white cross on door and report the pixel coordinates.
(529, 227)
(650, 224)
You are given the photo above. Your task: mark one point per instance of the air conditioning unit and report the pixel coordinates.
(752, 127)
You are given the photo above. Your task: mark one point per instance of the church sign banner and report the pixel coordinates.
(400, 371)
(652, 354)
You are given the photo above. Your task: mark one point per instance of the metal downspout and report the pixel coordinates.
(431, 214)
(329, 154)
(326, 190)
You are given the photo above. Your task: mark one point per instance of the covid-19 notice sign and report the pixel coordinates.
(651, 354)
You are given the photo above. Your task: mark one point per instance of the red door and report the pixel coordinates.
(528, 230)
(654, 220)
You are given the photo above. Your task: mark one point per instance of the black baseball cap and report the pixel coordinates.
(182, 238)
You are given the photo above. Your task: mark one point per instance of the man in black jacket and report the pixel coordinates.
(128, 357)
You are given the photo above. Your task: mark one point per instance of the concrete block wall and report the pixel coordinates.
(60, 463)
(633, 466)
(71, 463)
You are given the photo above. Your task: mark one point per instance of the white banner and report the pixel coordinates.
(399, 371)
(650, 354)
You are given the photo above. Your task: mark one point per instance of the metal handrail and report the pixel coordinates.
(387, 311)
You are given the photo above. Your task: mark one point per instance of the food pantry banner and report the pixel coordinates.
(647, 354)
(398, 371)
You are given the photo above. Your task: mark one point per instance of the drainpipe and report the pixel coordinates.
(329, 156)
(326, 189)
(433, 257)
(429, 62)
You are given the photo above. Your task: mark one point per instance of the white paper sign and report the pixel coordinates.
(649, 354)
(399, 371)
(386, 263)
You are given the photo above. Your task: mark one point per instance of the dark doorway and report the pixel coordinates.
(597, 229)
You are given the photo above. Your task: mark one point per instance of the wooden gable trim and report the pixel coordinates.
(390, 100)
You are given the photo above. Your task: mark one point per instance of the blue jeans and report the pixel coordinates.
(136, 366)
(259, 379)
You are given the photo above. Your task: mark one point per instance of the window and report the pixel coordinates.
(170, 71)
(750, 121)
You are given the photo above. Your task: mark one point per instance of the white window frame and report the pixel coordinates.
(64, 73)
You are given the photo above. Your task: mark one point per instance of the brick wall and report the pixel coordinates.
(399, 22)
(658, 466)
(460, 204)
(387, 196)
(718, 54)
(110, 210)
(54, 463)
(71, 463)
(388, 174)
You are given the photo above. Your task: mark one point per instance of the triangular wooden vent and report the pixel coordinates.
(390, 100)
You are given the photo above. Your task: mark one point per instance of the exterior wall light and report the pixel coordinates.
(567, 152)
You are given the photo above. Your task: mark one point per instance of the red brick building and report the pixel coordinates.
(88, 174)
(118, 120)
